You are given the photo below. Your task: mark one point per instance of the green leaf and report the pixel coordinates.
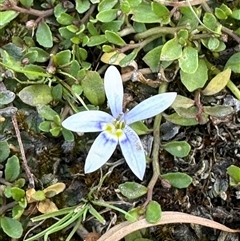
(182, 101)
(57, 92)
(96, 40)
(33, 71)
(68, 135)
(234, 173)
(26, 3)
(106, 5)
(34, 95)
(30, 57)
(171, 50)
(140, 128)
(129, 58)
(55, 131)
(161, 11)
(4, 150)
(82, 6)
(190, 112)
(17, 211)
(97, 215)
(38, 196)
(65, 19)
(6, 97)
(44, 35)
(45, 126)
(143, 14)
(63, 57)
(178, 179)
(220, 14)
(42, 55)
(135, 214)
(107, 16)
(46, 112)
(114, 38)
(12, 169)
(236, 14)
(7, 192)
(133, 236)
(13, 228)
(211, 22)
(20, 182)
(217, 83)
(218, 110)
(226, 9)
(152, 58)
(188, 62)
(233, 63)
(132, 190)
(177, 148)
(6, 17)
(17, 193)
(213, 43)
(125, 7)
(183, 121)
(197, 79)
(93, 88)
(153, 212)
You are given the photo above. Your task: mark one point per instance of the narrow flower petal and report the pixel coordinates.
(114, 90)
(133, 152)
(150, 107)
(101, 150)
(87, 121)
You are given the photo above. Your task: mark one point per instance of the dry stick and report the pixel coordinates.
(15, 125)
(155, 153)
(25, 164)
(39, 13)
(180, 4)
(121, 230)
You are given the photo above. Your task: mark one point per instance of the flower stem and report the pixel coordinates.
(155, 152)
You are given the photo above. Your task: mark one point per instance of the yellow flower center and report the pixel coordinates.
(115, 128)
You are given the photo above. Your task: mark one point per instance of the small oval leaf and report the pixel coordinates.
(177, 148)
(171, 50)
(217, 83)
(188, 62)
(44, 35)
(11, 227)
(12, 169)
(132, 190)
(153, 212)
(6, 97)
(178, 179)
(93, 88)
(35, 95)
(4, 150)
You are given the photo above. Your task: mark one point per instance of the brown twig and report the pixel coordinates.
(10, 5)
(8, 206)
(180, 4)
(24, 159)
(25, 164)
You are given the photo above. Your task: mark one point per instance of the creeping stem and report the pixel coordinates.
(156, 146)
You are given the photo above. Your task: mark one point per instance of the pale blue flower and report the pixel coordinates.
(115, 128)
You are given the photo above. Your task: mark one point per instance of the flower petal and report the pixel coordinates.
(150, 107)
(133, 152)
(114, 90)
(101, 150)
(87, 121)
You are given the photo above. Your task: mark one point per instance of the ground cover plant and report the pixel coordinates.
(159, 78)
